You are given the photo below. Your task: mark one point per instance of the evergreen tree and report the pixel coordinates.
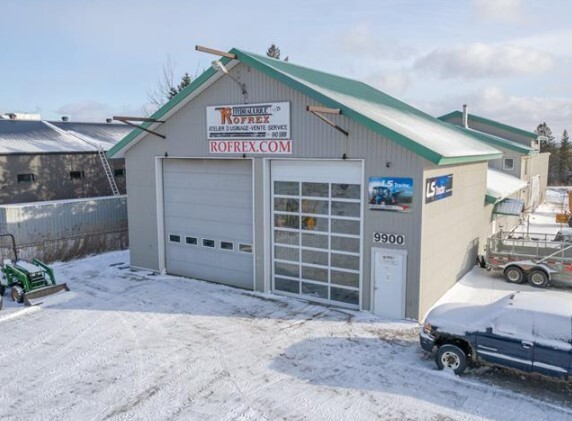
(185, 81)
(273, 51)
(565, 159)
(547, 144)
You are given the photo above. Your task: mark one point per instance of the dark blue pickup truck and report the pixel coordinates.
(524, 331)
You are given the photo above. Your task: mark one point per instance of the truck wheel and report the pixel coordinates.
(538, 278)
(17, 294)
(514, 275)
(451, 357)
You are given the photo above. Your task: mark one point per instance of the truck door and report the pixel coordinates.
(552, 344)
(508, 341)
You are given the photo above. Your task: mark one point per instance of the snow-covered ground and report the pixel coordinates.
(137, 346)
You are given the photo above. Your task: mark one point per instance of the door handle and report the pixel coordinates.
(526, 344)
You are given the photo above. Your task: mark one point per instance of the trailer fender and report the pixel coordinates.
(529, 265)
(546, 269)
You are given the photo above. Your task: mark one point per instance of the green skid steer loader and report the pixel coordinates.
(27, 280)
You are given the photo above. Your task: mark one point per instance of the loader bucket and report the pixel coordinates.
(30, 297)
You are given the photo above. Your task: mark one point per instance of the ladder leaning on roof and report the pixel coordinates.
(108, 171)
(100, 152)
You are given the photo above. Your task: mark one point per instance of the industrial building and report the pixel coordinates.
(520, 148)
(56, 160)
(273, 177)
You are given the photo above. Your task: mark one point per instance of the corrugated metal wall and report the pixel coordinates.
(52, 177)
(61, 230)
(311, 138)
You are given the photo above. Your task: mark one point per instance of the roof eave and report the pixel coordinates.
(119, 149)
(490, 199)
(415, 147)
(468, 159)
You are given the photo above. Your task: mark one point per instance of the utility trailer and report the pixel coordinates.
(536, 258)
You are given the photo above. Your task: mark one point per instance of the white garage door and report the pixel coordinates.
(208, 220)
(316, 209)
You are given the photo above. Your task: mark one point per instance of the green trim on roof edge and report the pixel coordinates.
(468, 159)
(499, 141)
(329, 102)
(195, 84)
(290, 81)
(491, 200)
(489, 121)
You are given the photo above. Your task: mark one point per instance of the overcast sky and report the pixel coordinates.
(509, 60)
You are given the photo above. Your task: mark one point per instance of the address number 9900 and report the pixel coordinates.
(382, 237)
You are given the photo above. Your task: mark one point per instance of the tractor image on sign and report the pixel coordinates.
(27, 281)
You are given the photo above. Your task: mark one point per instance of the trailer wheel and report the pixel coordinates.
(514, 275)
(538, 278)
(17, 294)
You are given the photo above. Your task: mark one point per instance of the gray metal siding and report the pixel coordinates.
(493, 130)
(142, 202)
(186, 137)
(38, 222)
(52, 177)
(497, 164)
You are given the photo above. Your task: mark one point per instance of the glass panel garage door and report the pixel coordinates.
(316, 240)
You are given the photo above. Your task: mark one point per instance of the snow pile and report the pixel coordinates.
(557, 196)
(134, 345)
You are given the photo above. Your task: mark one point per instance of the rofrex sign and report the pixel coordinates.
(249, 128)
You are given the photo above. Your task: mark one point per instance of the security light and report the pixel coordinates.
(219, 67)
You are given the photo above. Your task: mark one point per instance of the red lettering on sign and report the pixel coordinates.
(225, 114)
(285, 146)
(266, 119)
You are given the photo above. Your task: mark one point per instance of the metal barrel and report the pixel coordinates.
(43, 292)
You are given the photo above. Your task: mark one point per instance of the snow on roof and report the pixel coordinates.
(434, 140)
(31, 137)
(35, 137)
(446, 140)
(501, 185)
(475, 118)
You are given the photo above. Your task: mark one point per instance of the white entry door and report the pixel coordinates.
(389, 269)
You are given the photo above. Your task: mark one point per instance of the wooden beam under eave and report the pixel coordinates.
(141, 128)
(146, 119)
(325, 110)
(215, 52)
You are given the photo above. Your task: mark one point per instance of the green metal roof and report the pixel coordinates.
(434, 140)
(501, 142)
(493, 123)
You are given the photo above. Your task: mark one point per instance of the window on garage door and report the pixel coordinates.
(316, 240)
